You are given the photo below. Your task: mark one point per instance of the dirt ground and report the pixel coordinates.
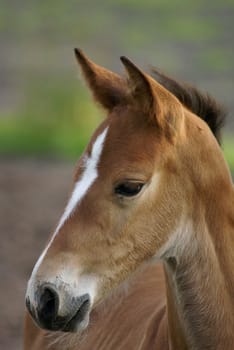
(32, 197)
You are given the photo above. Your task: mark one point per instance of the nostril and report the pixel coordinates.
(82, 308)
(48, 305)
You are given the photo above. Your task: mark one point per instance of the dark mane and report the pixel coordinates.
(200, 104)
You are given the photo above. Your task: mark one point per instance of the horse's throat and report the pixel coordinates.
(200, 286)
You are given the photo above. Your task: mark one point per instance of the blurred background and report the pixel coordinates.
(47, 116)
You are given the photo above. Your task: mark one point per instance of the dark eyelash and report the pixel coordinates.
(128, 188)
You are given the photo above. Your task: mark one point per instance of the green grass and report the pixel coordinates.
(55, 119)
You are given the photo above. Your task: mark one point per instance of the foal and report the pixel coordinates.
(152, 186)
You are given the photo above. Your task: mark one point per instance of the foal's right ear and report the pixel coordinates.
(108, 88)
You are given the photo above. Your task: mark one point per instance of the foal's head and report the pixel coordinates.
(135, 186)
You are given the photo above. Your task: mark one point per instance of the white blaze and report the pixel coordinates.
(82, 186)
(89, 176)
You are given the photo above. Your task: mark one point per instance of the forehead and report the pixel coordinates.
(124, 142)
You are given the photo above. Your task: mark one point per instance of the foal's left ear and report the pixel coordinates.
(161, 107)
(108, 88)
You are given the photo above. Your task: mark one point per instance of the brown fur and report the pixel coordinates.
(203, 105)
(106, 86)
(184, 217)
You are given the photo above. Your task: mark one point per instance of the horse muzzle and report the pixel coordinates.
(55, 309)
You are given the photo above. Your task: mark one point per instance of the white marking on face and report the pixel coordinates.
(82, 186)
(89, 176)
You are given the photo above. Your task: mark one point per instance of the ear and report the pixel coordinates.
(108, 88)
(161, 107)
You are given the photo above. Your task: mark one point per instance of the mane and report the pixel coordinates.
(201, 104)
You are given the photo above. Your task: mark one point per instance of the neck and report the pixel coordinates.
(200, 283)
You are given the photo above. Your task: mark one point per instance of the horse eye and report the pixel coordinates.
(128, 189)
